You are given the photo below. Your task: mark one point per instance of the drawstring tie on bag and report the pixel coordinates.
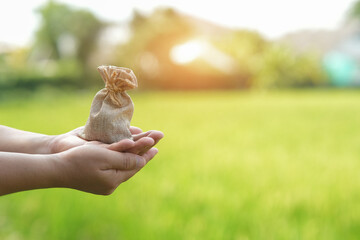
(117, 80)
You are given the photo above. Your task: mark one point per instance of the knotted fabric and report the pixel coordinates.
(112, 108)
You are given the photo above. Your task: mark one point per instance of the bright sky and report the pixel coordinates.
(18, 19)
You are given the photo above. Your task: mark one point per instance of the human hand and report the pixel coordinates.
(97, 169)
(139, 145)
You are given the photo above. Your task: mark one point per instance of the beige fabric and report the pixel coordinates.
(112, 108)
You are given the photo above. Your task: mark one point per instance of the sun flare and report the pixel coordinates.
(187, 52)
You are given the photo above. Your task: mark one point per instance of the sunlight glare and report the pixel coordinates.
(187, 52)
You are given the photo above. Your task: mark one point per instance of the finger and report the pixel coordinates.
(124, 176)
(125, 161)
(135, 130)
(150, 154)
(122, 145)
(140, 135)
(156, 135)
(142, 145)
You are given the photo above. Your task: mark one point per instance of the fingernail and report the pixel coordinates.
(140, 161)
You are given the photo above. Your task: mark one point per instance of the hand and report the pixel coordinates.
(139, 145)
(143, 141)
(96, 169)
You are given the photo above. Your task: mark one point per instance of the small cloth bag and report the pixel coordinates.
(112, 108)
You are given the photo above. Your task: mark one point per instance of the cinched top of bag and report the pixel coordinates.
(117, 79)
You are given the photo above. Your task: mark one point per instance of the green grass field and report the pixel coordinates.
(232, 165)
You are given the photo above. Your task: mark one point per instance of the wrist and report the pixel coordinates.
(50, 171)
(45, 146)
(36, 144)
(51, 143)
(60, 177)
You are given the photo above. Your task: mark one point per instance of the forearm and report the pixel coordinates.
(20, 172)
(14, 140)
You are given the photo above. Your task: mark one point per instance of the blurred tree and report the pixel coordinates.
(17, 72)
(247, 49)
(67, 40)
(147, 51)
(258, 62)
(354, 12)
(67, 33)
(154, 36)
(280, 67)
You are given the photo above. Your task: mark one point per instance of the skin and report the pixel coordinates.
(32, 161)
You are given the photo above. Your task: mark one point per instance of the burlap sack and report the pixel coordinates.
(112, 108)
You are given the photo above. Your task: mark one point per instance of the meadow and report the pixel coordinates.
(232, 165)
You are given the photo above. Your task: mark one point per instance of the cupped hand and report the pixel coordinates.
(96, 169)
(141, 143)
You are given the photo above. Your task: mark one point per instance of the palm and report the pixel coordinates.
(68, 140)
(143, 141)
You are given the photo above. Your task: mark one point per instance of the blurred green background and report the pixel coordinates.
(261, 135)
